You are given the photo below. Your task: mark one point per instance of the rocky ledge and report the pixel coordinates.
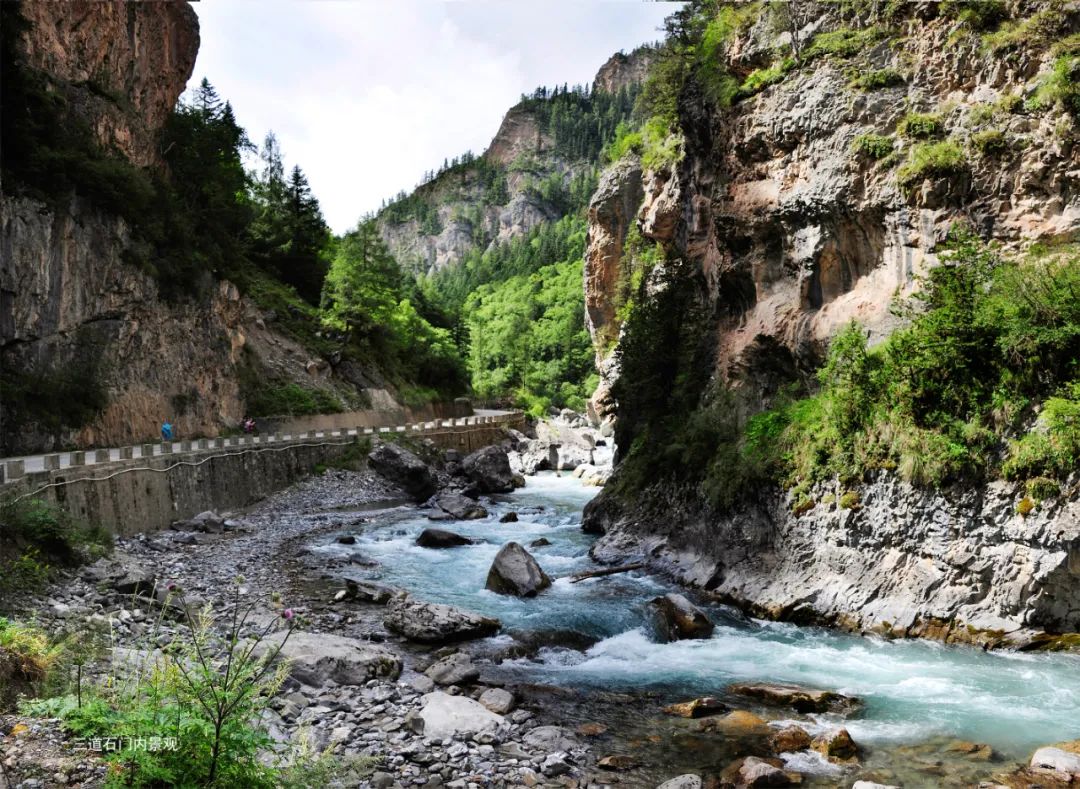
(963, 565)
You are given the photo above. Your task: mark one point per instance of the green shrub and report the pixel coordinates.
(932, 160)
(1025, 507)
(35, 535)
(844, 42)
(873, 146)
(27, 655)
(759, 79)
(1060, 87)
(919, 126)
(989, 142)
(206, 691)
(979, 15)
(1042, 488)
(850, 500)
(1035, 31)
(1053, 447)
(878, 79)
(627, 140)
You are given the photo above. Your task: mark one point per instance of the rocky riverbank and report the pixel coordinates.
(420, 689)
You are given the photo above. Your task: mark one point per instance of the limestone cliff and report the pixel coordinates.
(778, 230)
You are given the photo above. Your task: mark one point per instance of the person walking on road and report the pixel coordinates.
(166, 431)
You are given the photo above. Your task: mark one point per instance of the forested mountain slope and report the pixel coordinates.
(496, 240)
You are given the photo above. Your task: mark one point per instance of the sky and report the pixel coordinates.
(367, 95)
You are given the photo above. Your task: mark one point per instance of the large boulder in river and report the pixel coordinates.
(461, 507)
(405, 469)
(440, 538)
(673, 618)
(435, 623)
(489, 470)
(515, 572)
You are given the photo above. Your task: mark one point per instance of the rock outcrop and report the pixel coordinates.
(776, 233)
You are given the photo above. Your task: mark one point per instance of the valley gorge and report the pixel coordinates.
(769, 336)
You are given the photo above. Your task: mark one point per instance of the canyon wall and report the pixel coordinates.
(779, 231)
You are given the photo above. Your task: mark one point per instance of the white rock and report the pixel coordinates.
(447, 716)
(688, 781)
(498, 700)
(1057, 760)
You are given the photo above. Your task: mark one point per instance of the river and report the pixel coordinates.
(914, 691)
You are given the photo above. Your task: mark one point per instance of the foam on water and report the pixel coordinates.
(912, 689)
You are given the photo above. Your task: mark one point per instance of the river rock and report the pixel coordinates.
(687, 781)
(510, 517)
(317, 658)
(447, 716)
(435, 623)
(549, 739)
(790, 739)
(836, 745)
(368, 592)
(489, 470)
(404, 469)
(872, 785)
(461, 507)
(497, 700)
(673, 618)
(440, 538)
(515, 572)
(753, 772)
(346, 539)
(737, 723)
(540, 542)
(697, 708)
(617, 761)
(804, 700)
(1056, 760)
(455, 669)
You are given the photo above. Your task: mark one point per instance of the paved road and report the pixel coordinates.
(34, 463)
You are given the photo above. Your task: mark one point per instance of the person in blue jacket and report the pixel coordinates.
(166, 431)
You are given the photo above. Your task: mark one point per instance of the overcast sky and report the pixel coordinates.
(366, 95)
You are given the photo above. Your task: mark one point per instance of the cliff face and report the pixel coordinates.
(782, 233)
(92, 352)
(124, 64)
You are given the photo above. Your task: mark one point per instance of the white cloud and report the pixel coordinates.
(366, 95)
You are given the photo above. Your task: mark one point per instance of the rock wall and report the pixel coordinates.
(782, 234)
(98, 52)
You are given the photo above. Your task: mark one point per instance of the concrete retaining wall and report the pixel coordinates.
(147, 493)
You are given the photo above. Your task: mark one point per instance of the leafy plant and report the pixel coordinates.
(203, 695)
(844, 42)
(878, 79)
(919, 126)
(989, 142)
(873, 146)
(849, 500)
(935, 159)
